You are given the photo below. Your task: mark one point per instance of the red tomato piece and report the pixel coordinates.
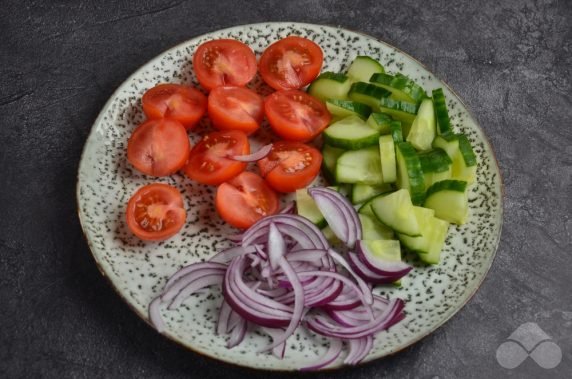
(235, 108)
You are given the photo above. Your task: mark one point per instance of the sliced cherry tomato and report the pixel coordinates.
(296, 116)
(156, 212)
(291, 63)
(159, 147)
(224, 62)
(182, 103)
(290, 166)
(245, 199)
(235, 108)
(208, 162)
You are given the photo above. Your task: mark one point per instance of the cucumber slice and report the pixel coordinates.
(359, 166)
(465, 164)
(330, 85)
(384, 249)
(419, 244)
(441, 112)
(436, 166)
(409, 172)
(368, 94)
(379, 122)
(449, 200)
(422, 130)
(400, 86)
(344, 108)
(350, 133)
(330, 156)
(396, 131)
(362, 68)
(449, 143)
(387, 156)
(437, 237)
(400, 110)
(364, 192)
(396, 211)
(373, 229)
(306, 207)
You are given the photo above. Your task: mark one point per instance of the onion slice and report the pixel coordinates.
(331, 355)
(261, 153)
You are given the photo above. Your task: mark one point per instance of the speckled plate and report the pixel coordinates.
(139, 270)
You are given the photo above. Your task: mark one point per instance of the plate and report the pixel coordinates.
(138, 270)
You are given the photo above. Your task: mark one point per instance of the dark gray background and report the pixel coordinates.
(60, 61)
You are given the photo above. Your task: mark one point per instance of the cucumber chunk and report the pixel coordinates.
(306, 207)
(400, 86)
(436, 166)
(368, 94)
(350, 133)
(409, 172)
(400, 110)
(364, 192)
(387, 156)
(360, 166)
(437, 236)
(419, 244)
(379, 122)
(373, 229)
(458, 148)
(449, 200)
(330, 85)
(396, 211)
(330, 157)
(396, 131)
(362, 68)
(344, 108)
(441, 112)
(422, 130)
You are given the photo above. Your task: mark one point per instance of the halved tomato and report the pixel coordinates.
(209, 163)
(291, 63)
(182, 103)
(235, 108)
(290, 166)
(245, 199)
(156, 212)
(224, 62)
(296, 116)
(159, 147)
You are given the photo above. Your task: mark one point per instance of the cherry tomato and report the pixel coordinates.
(291, 63)
(290, 166)
(224, 62)
(159, 147)
(245, 199)
(156, 212)
(182, 103)
(208, 162)
(235, 108)
(296, 116)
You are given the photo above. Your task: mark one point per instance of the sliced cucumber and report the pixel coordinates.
(306, 207)
(330, 157)
(436, 166)
(449, 200)
(379, 122)
(396, 131)
(465, 165)
(441, 112)
(364, 192)
(396, 211)
(350, 133)
(437, 236)
(400, 110)
(385, 249)
(362, 68)
(400, 86)
(360, 166)
(330, 85)
(419, 244)
(368, 94)
(409, 172)
(373, 229)
(449, 143)
(344, 108)
(387, 156)
(422, 130)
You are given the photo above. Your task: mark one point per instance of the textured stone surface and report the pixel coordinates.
(60, 61)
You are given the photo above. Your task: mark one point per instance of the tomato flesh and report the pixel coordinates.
(175, 101)
(236, 108)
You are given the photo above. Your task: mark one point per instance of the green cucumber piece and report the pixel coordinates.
(396, 131)
(362, 68)
(400, 86)
(360, 166)
(436, 166)
(419, 244)
(400, 110)
(306, 207)
(422, 132)
(350, 133)
(441, 112)
(364, 192)
(330, 157)
(449, 143)
(395, 210)
(344, 108)
(465, 165)
(409, 172)
(449, 200)
(373, 229)
(368, 94)
(437, 236)
(387, 156)
(330, 85)
(379, 122)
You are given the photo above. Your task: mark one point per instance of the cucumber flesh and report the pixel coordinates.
(449, 200)
(330, 157)
(362, 68)
(330, 85)
(387, 156)
(350, 133)
(364, 192)
(441, 112)
(306, 207)
(465, 164)
(422, 130)
(385, 250)
(379, 122)
(400, 86)
(400, 110)
(368, 94)
(396, 211)
(436, 166)
(419, 244)
(360, 166)
(344, 108)
(437, 237)
(409, 172)
(373, 229)
(396, 131)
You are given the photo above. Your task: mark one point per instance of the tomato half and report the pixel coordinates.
(156, 212)
(208, 162)
(296, 116)
(245, 199)
(235, 108)
(182, 103)
(159, 147)
(291, 63)
(224, 62)
(290, 166)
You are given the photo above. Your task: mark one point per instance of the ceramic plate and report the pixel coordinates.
(138, 270)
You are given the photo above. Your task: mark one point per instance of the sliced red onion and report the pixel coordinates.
(155, 314)
(223, 318)
(276, 246)
(363, 286)
(309, 255)
(205, 281)
(362, 270)
(381, 267)
(331, 355)
(344, 301)
(359, 349)
(237, 334)
(261, 153)
(288, 208)
(192, 268)
(279, 350)
(202, 270)
(227, 255)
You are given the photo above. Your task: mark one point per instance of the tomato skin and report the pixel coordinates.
(158, 147)
(179, 102)
(224, 62)
(245, 199)
(296, 116)
(208, 162)
(235, 108)
(290, 166)
(155, 212)
(291, 63)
